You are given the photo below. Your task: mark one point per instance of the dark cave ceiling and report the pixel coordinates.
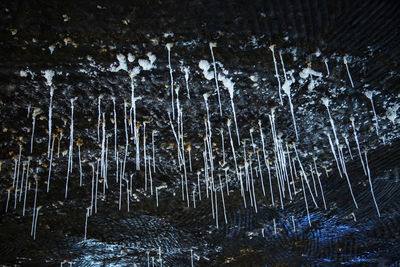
(320, 79)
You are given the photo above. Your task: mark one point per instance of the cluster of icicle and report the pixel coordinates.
(280, 176)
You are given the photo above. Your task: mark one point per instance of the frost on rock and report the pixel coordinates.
(122, 64)
(23, 73)
(131, 57)
(51, 49)
(391, 113)
(286, 86)
(147, 64)
(134, 72)
(227, 82)
(49, 74)
(152, 57)
(205, 66)
(325, 101)
(309, 72)
(254, 78)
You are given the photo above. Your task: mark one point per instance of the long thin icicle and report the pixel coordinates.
(370, 185)
(50, 117)
(169, 46)
(71, 142)
(272, 47)
(348, 71)
(216, 76)
(286, 88)
(358, 144)
(369, 94)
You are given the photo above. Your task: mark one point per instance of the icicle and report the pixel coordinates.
(229, 122)
(304, 174)
(16, 184)
(279, 175)
(157, 196)
(205, 165)
(15, 171)
(122, 171)
(187, 81)
(319, 181)
(151, 178)
(334, 153)
(169, 46)
(8, 197)
(209, 134)
(152, 144)
(137, 147)
(286, 88)
(230, 89)
(348, 71)
(261, 176)
(99, 117)
(51, 162)
(34, 207)
(283, 66)
(226, 179)
(241, 186)
(358, 144)
(28, 111)
(222, 195)
(144, 156)
(291, 169)
(325, 101)
(120, 187)
(369, 94)
(96, 188)
(347, 176)
(266, 162)
(327, 67)
(26, 185)
(79, 143)
(134, 124)
(36, 111)
(92, 196)
(294, 225)
(252, 140)
(252, 185)
(189, 148)
(271, 47)
(36, 218)
(370, 184)
(194, 197)
(348, 145)
(216, 76)
(115, 138)
(315, 185)
(130, 182)
(22, 181)
(305, 198)
(191, 257)
(102, 155)
(198, 184)
(216, 203)
(71, 141)
(127, 194)
(50, 117)
(86, 221)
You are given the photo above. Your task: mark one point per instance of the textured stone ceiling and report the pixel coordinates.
(336, 61)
